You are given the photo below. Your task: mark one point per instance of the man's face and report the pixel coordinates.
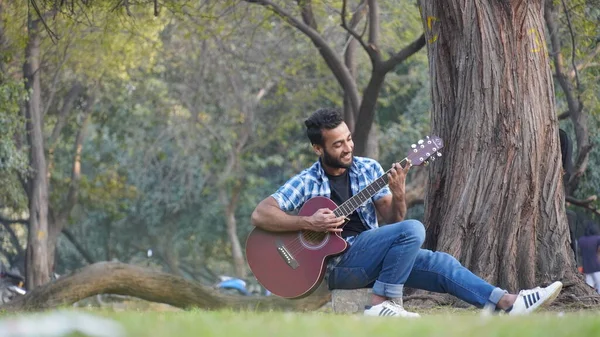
(338, 147)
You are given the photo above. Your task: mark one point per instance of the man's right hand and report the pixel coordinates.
(324, 220)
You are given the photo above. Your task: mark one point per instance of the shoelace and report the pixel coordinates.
(398, 307)
(529, 291)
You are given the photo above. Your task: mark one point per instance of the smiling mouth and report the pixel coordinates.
(347, 156)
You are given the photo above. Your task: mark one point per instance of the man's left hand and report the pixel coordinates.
(397, 179)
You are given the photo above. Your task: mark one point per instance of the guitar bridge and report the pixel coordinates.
(286, 255)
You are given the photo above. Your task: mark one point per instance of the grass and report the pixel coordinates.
(445, 322)
(448, 324)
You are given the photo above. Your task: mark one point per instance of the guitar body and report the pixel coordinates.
(293, 264)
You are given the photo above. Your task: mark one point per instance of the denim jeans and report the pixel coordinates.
(389, 257)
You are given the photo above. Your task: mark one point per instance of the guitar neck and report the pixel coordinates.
(358, 199)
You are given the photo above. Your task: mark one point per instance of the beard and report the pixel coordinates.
(336, 162)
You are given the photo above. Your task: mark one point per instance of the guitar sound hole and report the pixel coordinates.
(314, 238)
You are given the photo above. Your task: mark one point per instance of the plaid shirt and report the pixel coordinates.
(313, 182)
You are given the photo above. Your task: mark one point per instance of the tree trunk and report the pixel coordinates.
(37, 272)
(230, 205)
(495, 199)
(123, 279)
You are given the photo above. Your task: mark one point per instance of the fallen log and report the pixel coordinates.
(129, 280)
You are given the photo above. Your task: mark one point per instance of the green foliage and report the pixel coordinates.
(13, 159)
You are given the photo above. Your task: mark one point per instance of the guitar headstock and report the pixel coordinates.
(425, 150)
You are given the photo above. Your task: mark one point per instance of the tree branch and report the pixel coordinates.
(585, 203)
(63, 115)
(568, 15)
(587, 62)
(373, 24)
(575, 105)
(330, 57)
(307, 13)
(12, 221)
(13, 237)
(354, 34)
(404, 54)
(84, 253)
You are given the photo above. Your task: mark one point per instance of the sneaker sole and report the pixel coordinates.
(552, 296)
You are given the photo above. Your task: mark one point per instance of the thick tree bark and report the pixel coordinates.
(123, 279)
(495, 200)
(37, 271)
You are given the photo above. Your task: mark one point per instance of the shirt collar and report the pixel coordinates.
(321, 172)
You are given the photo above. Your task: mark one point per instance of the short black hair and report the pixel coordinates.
(590, 228)
(323, 118)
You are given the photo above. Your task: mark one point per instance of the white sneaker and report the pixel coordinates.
(531, 299)
(389, 308)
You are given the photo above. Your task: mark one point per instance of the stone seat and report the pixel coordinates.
(350, 301)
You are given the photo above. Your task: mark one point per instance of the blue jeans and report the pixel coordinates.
(389, 257)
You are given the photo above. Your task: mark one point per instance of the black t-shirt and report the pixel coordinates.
(340, 192)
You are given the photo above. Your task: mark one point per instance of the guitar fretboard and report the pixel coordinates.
(365, 194)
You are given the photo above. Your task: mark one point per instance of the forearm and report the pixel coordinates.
(398, 209)
(269, 217)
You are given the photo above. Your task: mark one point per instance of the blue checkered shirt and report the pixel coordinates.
(313, 182)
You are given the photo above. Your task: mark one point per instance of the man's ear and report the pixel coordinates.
(318, 149)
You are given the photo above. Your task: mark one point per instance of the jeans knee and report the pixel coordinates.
(415, 229)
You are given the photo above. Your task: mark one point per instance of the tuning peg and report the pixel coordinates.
(426, 163)
(439, 154)
(413, 146)
(420, 141)
(432, 158)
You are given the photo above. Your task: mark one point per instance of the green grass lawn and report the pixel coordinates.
(450, 324)
(445, 322)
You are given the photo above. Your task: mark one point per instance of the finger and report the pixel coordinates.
(408, 166)
(326, 211)
(335, 230)
(336, 220)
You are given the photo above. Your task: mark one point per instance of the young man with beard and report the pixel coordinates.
(385, 258)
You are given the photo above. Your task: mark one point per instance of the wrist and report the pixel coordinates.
(304, 223)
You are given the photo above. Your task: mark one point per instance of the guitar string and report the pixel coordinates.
(296, 246)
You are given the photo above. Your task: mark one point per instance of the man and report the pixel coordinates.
(387, 257)
(588, 246)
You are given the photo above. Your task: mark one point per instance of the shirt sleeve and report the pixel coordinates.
(291, 195)
(378, 172)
